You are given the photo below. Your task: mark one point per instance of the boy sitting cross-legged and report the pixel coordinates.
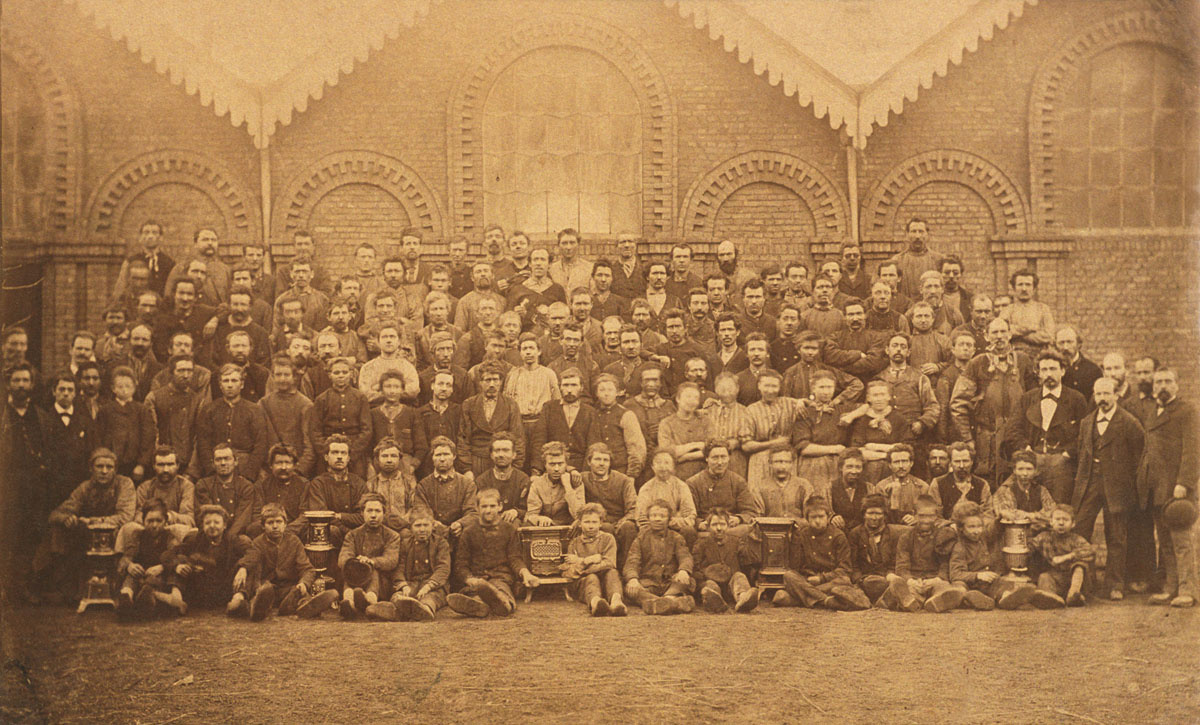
(141, 566)
(369, 555)
(719, 556)
(819, 563)
(591, 565)
(281, 567)
(658, 567)
(419, 583)
(873, 550)
(210, 566)
(975, 564)
(922, 564)
(488, 561)
(1068, 556)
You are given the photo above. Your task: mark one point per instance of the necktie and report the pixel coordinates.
(1101, 425)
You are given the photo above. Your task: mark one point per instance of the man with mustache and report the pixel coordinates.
(1050, 425)
(917, 259)
(157, 263)
(240, 319)
(205, 247)
(466, 314)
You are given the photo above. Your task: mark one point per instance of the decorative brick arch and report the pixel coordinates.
(237, 205)
(63, 129)
(464, 130)
(709, 192)
(957, 167)
(1057, 75)
(295, 206)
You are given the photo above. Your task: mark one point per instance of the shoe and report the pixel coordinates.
(747, 601)
(124, 605)
(422, 612)
(887, 600)
(656, 606)
(682, 604)
(315, 606)
(1138, 587)
(238, 606)
(360, 601)
(495, 601)
(944, 600)
(467, 606)
(1076, 599)
(851, 599)
(143, 603)
(782, 599)
(1116, 595)
(1161, 598)
(405, 607)
(978, 601)
(1043, 599)
(382, 611)
(347, 609)
(1183, 601)
(600, 607)
(288, 606)
(260, 605)
(617, 608)
(712, 601)
(1016, 598)
(906, 601)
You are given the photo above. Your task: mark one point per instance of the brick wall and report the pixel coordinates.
(964, 224)
(765, 218)
(350, 215)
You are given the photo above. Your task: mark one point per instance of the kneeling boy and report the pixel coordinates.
(420, 580)
(658, 567)
(719, 557)
(488, 561)
(591, 565)
(369, 555)
(819, 563)
(283, 573)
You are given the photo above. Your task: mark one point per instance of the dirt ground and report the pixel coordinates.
(1107, 663)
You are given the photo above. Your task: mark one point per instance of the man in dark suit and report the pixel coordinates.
(1081, 373)
(1049, 424)
(69, 439)
(1110, 447)
(1169, 470)
(568, 421)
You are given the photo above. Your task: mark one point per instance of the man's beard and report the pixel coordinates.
(938, 470)
(1146, 387)
(1162, 397)
(728, 267)
(239, 318)
(855, 325)
(19, 395)
(483, 284)
(570, 397)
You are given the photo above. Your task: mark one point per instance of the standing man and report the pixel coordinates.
(945, 317)
(313, 301)
(629, 275)
(486, 414)
(977, 324)
(855, 281)
(304, 247)
(682, 279)
(1111, 442)
(205, 246)
(605, 302)
(953, 293)
(735, 274)
(158, 262)
(916, 260)
(466, 314)
(1050, 425)
(1032, 322)
(1081, 373)
(234, 421)
(1169, 471)
(570, 271)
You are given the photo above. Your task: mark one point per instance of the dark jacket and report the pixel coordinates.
(1110, 461)
(1172, 456)
(1063, 433)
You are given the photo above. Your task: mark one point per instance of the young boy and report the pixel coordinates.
(369, 555)
(420, 580)
(901, 488)
(210, 566)
(282, 571)
(141, 566)
(975, 564)
(488, 561)
(658, 567)
(873, 550)
(719, 556)
(922, 564)
(1068, 555)
(591, 565)
(819, 563)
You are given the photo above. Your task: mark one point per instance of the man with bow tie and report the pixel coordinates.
(1049, 424)
(1111, 441)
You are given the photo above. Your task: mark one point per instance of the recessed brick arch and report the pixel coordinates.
(464, 131)
(63, 135)
(295, 206)
(236, 204)
(1002, 197)
(1057, 75)
(709, 192)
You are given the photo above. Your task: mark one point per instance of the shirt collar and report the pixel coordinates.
(70, 410)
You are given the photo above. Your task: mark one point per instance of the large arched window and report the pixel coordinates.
(23, 153)
(562, 145)
(1129, 141)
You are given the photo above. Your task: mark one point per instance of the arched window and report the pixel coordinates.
(562, 145)
(23, 153)
(1129, 141)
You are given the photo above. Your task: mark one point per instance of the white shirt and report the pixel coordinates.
(1049, 405)
(1102, 420)
(65, 413)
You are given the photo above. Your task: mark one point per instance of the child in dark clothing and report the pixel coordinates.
(210, 566)
(922, 564)
(1068, 556)
(488, 561)
(282, 571)
(141, 567)
(420, 580)
(658, 567)
(720, 556)
(819, 563)
(873, 549)
(591, 565)
(975, 564)
(369, 555)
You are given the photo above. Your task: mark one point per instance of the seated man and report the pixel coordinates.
(658, 569)
(718, 487)
(819, 564)
(447, 494)
(591, 565)
(489, 561)
(901, 488)
(873, 549)
(369, 555)
(922, 565)
(229, 490)
(720, 557)
(210, 566)
(173, 490)
(337, 490)
(419, 583)
(556, 496)
(665, 486)
(282, 574)
(511, 482)
(140, 568)
(106, 497)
